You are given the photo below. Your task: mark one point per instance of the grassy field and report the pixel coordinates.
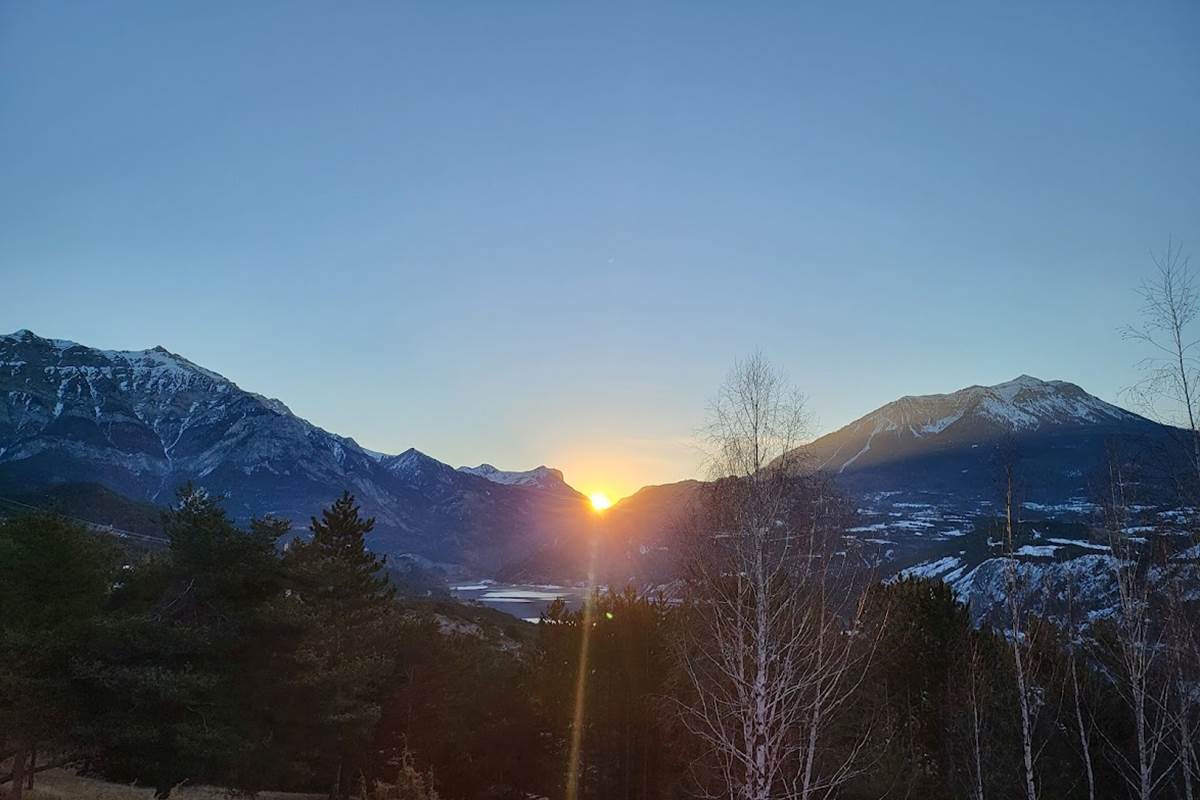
(61, 784)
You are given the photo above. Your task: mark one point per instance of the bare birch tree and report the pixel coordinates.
(1168, 391)
(1170, 379)
(1027, 703)
(1084, 717)
(1183, 643)
(1138, 645)
(976, 708)
(772, 657)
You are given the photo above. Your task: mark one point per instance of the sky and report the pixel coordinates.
(532, 232)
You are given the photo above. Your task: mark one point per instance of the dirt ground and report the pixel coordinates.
(62, 784)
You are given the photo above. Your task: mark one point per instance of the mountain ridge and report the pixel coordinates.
(142, 422)
(1055, 428)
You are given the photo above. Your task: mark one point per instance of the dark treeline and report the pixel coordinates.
(251, 659)
(233, 660)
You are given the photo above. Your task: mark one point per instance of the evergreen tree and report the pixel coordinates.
(630, 746)
(55, 576)
(348, 603)
(463, 707)
(922, 646)
(177, 673)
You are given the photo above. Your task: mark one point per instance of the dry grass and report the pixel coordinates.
(62, 784)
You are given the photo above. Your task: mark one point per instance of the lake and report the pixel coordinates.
(522, 600)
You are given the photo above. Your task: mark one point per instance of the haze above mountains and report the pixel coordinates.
(141, 423)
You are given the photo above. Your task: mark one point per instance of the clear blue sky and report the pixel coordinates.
(540, 232)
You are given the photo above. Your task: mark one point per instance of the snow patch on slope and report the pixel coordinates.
(1021, 405)
(539, 476)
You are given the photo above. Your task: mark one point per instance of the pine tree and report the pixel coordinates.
(349, 605)
(55, 577)
(186, 651)
(626, 740)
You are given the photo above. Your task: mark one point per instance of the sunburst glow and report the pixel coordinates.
(600, 501)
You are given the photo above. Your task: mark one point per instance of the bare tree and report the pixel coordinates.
(1084, 719)
(977, 704)
(772, 656)
(1027, 703)
(1171, 373)
(1168, 391)
(1138, 645)
(1183, 645)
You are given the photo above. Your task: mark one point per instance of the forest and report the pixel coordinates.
(777, 666)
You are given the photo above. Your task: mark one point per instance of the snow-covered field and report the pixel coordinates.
(965, 547)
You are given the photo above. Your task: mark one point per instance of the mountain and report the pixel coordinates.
(543, 477)
(924, 473)
(143, 422)
(948, 443)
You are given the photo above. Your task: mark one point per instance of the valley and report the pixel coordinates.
(920, 473)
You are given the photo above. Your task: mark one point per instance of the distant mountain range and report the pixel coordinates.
(141, 423)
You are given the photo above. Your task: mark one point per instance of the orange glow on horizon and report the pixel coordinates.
(600, 501)
(617, 465)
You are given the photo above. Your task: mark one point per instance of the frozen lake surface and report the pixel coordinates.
(524, 601)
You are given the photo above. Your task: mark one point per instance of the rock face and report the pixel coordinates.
(144, 422)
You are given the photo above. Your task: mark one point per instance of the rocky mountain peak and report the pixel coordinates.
(542, 476)
(1022, 404)
(948, 441)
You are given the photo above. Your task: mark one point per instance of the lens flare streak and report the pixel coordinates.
(585, 639)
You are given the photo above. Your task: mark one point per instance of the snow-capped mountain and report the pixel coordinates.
(1024, 404)
(948, 442)
(924, 475)
(543, 476)
(143, 422)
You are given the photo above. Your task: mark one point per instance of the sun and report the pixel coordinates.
(600, 501)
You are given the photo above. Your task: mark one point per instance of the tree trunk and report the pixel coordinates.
(33, 766)
(62, 762)
(335, 789)
(814, 727)
(1026, 733)
(1186, 754)
(976, 731)
(1084, 739)
(761, 787)
(977, 750)
(20, 759)
(1139, 716)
